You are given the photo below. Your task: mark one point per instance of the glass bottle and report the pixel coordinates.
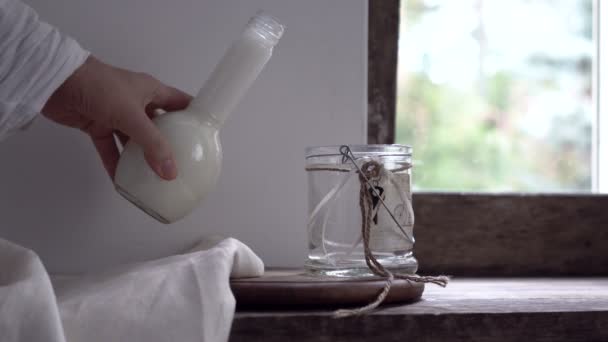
(194, 132)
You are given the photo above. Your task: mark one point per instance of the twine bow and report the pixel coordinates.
(367, 171)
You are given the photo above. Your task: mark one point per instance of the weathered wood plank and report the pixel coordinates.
(505, 235)
(467, 310)
(383, 35)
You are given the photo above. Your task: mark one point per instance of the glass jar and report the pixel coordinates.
(336, 199)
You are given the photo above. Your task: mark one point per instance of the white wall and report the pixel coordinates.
(56, 198)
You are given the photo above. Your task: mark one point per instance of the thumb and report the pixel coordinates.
(157, 151)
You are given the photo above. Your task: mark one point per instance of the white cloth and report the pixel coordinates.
(183, 298)
(35, 59)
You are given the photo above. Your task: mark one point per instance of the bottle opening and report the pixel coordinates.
(266, 26)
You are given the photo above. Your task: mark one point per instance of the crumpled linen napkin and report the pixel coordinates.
(184, 297)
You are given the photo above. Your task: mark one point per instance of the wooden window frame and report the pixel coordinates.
(484, 234)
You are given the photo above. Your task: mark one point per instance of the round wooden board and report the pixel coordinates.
(297, 289)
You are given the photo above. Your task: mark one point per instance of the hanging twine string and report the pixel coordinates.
(371, 170)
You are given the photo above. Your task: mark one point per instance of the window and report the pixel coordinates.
(499, 95)
(500, 234)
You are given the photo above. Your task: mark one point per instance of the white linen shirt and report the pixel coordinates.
(35, 59)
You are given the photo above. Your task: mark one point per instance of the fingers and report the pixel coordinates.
(108, 152)
(156, 148)
(122, 138)
(153, 111)
(170, 99)
(140, 128)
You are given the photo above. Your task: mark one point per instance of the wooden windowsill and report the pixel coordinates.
(469, 309)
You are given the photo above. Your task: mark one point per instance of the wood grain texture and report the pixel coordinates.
(467, 310)
(383, 36)
(511, 235)
(294, 289)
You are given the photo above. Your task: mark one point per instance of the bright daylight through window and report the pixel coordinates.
(498, 95)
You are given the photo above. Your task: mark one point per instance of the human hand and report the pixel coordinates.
(101, 100)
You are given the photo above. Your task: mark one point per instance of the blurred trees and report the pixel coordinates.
(496, 95)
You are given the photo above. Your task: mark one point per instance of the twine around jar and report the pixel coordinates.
(367, 171)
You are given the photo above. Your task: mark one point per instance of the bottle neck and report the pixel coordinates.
(237, 70)
(230, 80)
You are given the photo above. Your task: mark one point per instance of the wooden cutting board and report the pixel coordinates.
(297, 289)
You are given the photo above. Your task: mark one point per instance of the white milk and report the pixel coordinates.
(194, 132)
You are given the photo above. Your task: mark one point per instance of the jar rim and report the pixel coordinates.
(396, 150)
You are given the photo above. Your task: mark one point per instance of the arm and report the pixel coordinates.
(42, 70)
(35, 59)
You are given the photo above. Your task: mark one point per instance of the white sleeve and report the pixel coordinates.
(35, 59)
